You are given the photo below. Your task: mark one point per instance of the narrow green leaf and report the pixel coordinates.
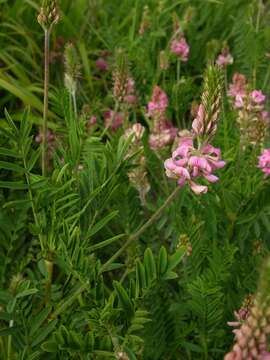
(44, 332)
(162, 261)
(175, 259)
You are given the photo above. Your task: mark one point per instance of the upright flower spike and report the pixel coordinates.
(205, 123)
(253, 333)
(49, 14)
(252, 118)
(123, 84)
(162, 131)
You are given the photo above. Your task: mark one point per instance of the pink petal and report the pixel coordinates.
(198, 189)
(211, 178)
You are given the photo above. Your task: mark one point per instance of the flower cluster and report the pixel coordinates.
(162, 131)
(251, 336)
(180, 48)
(113, 120)
(189, 163)
(101, 64)
(225, 58)
(252, 117)
(49, 14)
(264, 162)
(253, 322)
(158, 104)
(124, 91)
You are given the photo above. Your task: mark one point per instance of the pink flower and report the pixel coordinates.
(188, 163)
(158, 103)
(225, 58)
(136, 131)
(113, 120)
(91, 122)
(238, 86)
(239, 101)
(265, 115)
(130, 97)
(264, 162)
(180, 48)
(258, 97)
(102, 64)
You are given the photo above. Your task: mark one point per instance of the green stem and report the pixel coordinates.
(178, 70)
(11, 323)
(46, 99)
(141, 230)
(49, 268)
(74, 104)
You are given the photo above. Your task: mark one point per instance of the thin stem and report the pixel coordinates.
(46, 100)
(11, 323)
(49, 268)
(178, 70)
(141, 230)
(74, 104)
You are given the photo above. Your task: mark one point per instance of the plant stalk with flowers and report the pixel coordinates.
(195, 157)
(252, 117)
(253, 325)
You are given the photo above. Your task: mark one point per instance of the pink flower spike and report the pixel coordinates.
(258, 97)
(180, 48)
(198, 189)
(264, 162)
(159, 102)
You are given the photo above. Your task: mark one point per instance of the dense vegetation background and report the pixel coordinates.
(170, 293)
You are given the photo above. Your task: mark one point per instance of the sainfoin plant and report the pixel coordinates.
(134, 180)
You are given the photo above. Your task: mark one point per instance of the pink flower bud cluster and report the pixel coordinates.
(225, 58)
(130, 98)
(91, 122)
(264, 162)
(180, 48)
(162, 132)
(158, 104)
(102, 65)
(113, 120)
(189, 163)
(251, 335)
(252, 118)
(164, 136)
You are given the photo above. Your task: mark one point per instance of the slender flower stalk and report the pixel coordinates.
(133, 237)
(46, 100)
(47, 18)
